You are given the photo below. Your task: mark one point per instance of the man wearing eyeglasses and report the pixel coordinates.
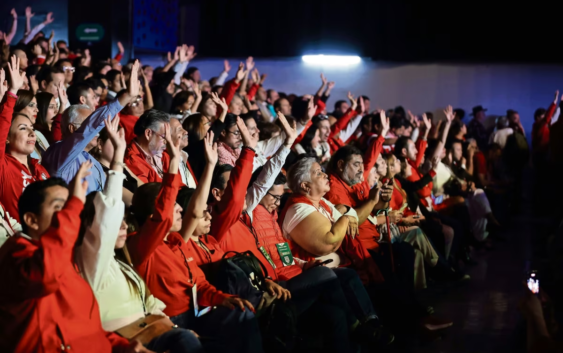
(68, 69)
(144, 155)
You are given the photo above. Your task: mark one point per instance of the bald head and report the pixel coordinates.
(20, 54)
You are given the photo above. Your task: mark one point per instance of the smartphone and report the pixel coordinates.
(325, 262)
(533, 282)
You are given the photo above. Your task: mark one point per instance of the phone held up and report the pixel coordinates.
(533, 282)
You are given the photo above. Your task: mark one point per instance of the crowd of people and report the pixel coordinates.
(146, 209)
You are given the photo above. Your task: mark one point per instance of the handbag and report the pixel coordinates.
(146, 328)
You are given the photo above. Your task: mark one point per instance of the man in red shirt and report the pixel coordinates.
(129, 116)
(144, 155)
(47, 305)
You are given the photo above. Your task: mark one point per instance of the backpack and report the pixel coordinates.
(243, 275)
(279, 327)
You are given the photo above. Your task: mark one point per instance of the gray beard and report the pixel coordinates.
(348, 181)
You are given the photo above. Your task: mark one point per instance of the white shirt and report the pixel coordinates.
(299, 211)
(187, 177)
(267, 148)
(8, 226)
(119, 304)
(500, 136)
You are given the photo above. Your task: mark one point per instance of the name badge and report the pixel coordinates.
(285, 254)
(267, 256)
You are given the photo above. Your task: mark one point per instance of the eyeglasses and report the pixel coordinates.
(278, 198)
(159, 135)
(236, 132)
(136, 102)
(321, 117)
(69, 68)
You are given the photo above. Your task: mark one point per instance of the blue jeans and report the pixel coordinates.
(224, 330)
(176, 341)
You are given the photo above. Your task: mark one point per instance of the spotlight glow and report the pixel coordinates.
(332, 60)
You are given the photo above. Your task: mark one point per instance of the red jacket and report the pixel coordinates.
(540, 131)
(45, 305)
(228, 93)
(252, 91)
(127, 123)
(165, 265)
(268, 233)
(14, 176)
(351, 250)
(56, 131)
(342, 193)
(417, 175)
(230, 226)
(136, 161)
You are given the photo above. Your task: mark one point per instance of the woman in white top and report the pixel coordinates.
(102, 257)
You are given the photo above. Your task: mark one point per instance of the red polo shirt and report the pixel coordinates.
(14, 176)
(136, 161)
(417, 175)
(127, 123)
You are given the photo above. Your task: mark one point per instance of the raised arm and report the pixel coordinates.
(157, 226)
(35, 274)
(353, 124)
(198, 203)
(344, 120)
(10, 36)
(271, 169)
(450, 115)
(28, 37)
(148, 101)
(249, 67)
(16, 82)
(231, 205)
(221, 104)
(97, 250)
(375, 148)
(28, 16)
(172, 60)
(224, 74)
(231, 86)
(323, 86)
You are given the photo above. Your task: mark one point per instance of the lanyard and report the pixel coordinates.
(127, 271)
(190, 278)
(206, 249)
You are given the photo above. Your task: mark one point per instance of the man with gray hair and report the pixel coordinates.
(144, 155)
(80, 128)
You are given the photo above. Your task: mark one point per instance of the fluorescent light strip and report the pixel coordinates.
(332, 60)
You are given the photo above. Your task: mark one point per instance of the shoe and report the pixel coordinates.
(432, 323)
(371, 335)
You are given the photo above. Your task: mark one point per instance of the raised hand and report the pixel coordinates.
(361, 106)
(435, 163)
(226, 66)
(211, 155)
(240, 73)
(79, 186)
(17, 79)
(427, 122)
(220, 102)
(14, 14)
(36, 50)
(250, 63)
(3, 84)
(63, 98)
(330, 85)
(290, 131)
(120, 48)
(49, 18)
(263, 78)
(353, 103)
(247, 139)
(190, 52)
(323, 79)
(384, 123)
(177, 53)
(172, 148)
(196, 89)
(311, 109)
(28, 13)
(134, 83)
(556, 97)
(116, 135)
(256, 76)
(449, 112)
(184, 53)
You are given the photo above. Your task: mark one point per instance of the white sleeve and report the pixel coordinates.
(294, 215)
(268, 147)
(336, 214)
(266, 179)
(415, 133)
(555, 116)
(349, 130)
(97, 250)
(179, 69)
(299, 149)
(33, 32)
(221, 79)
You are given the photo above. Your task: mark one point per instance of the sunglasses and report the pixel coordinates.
(69, 68)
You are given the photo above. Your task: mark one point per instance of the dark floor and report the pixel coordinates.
(484, 311)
